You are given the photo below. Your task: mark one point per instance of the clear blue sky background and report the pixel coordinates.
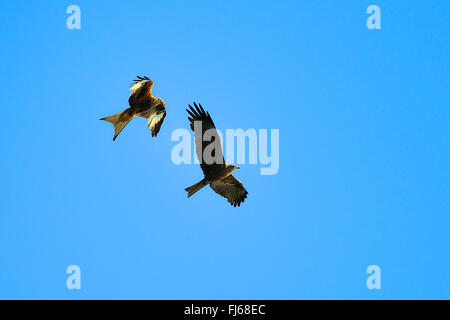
(364, 150)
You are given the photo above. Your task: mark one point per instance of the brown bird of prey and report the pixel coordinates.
(142, 104)
(218, 174)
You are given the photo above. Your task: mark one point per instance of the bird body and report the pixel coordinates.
(218, 175)
(142, 104)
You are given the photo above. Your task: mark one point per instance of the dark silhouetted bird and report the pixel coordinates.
(142, 104)
(218, 174)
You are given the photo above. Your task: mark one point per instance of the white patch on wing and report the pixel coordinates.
(137, 85)
(154, 119)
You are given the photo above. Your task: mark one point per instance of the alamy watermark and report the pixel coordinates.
(374, 20)
(237, 142)
(374, 280)
(74, 20)
(74, 280)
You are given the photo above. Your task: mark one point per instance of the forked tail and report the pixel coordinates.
(193, 189)
(119, 120)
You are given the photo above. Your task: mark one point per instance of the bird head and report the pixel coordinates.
(233, 167)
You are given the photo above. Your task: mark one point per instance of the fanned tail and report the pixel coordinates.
(194, 188)
(119, 120)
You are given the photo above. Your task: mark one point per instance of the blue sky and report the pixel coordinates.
(364, 150)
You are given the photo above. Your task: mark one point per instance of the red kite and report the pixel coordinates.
(142, 104)
(218, 174)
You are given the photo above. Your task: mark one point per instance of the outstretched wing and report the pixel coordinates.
(230, 188)
(211, 161)
(140, 89)
(155, 117)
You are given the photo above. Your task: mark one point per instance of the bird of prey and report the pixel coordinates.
(142, 104)
(218, 174)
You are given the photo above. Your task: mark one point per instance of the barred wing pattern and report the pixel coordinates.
(155, 117)
(232, 189)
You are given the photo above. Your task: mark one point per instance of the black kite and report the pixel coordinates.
(218, 174)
